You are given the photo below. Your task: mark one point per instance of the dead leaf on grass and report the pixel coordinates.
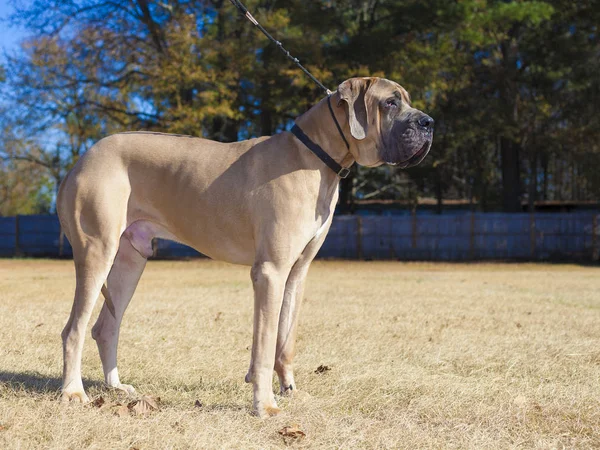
(120, 410)
(98, 402)
(2, 427)
(144, 406)
(322, 369)
(292, 431)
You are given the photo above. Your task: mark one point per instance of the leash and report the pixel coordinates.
(341, 172)
(244, 11)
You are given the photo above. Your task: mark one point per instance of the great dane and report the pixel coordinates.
(266, 203)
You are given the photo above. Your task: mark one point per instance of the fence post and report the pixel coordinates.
(532, 234)
(594, 237)
(359, 253)
(472, 237)
(414, 231)
(17, 246)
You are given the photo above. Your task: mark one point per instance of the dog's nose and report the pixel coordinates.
(425, 121)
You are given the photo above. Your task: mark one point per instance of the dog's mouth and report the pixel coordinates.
(416, 158)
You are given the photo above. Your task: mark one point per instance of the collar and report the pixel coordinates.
(341, 172)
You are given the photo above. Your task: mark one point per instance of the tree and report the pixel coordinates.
(513, 85)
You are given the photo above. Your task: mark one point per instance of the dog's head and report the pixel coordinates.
(386, 129)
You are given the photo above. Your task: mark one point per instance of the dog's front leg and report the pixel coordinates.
(288, 325)
(290, 312)
(268, 280)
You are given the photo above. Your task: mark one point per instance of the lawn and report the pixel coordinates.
(419, 356)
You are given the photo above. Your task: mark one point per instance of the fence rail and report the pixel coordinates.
(476, 236)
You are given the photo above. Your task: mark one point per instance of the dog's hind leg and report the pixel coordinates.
(122, 282)
(92, 265)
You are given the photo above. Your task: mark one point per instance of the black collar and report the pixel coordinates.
(341, 172)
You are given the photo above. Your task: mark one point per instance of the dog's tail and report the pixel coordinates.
(108, 300)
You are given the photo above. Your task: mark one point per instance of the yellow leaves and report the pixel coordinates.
(277, 19)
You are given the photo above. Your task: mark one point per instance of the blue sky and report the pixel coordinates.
(9, 36)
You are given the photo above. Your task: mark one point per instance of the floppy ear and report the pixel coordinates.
(353, 92)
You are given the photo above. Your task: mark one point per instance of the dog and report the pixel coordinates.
(266, 203)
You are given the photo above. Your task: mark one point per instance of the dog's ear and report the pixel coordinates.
(353, 92)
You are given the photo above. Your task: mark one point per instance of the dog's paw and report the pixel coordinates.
(272, 411)
(264, 412)
(287, 391)
(75, 397)
(126, 388)
(294, 394)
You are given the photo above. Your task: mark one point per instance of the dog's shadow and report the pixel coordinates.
(36, 383)
(33, 382)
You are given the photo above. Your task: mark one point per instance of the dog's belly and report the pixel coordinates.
(141, 232)
(206, 221)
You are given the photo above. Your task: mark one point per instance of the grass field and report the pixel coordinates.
(421, 356)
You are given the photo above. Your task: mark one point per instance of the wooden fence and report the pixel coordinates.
(463, 237)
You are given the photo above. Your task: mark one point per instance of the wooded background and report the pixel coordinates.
(514, 87)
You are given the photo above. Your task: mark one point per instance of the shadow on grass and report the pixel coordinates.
(37, 383)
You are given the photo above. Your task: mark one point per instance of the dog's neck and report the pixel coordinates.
(319, 126)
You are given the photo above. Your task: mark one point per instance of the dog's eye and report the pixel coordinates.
(392, 103)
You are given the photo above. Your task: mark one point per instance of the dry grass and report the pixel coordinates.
(421, 356)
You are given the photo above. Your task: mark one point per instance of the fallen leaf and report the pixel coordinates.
(322, 369)
(292, 431)
(198, 404)
(98, 402)
(121, 410)
(2, 427)
(144, 406)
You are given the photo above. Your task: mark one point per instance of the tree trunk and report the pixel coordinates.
(266, 116)
(438, 190)
(509, 151)
(545, 158)
(532, 191)
(266, 107)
